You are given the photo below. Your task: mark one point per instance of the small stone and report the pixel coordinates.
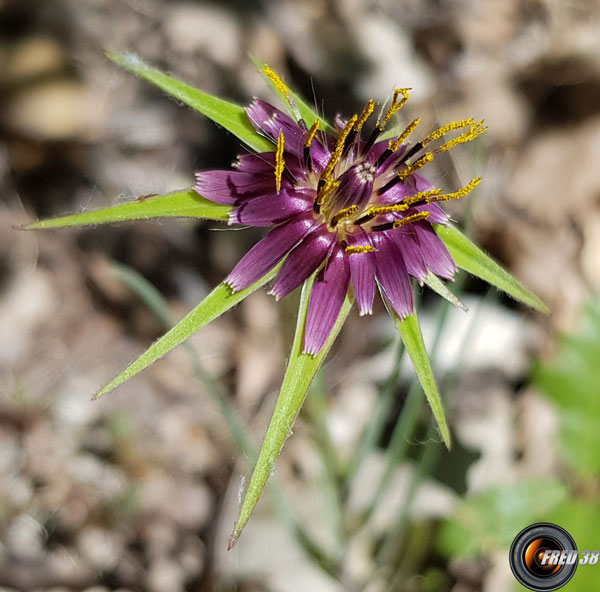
(100, 548)
(165, 574)
(34, 57)
(204, 28)
(56, 110)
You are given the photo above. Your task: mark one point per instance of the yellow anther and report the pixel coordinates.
(475, 130)
(410, 128)
(380, 211)
(354, 250)
(410, 219)
(339, 148)
(345, 213)
(279, 162)
(329, 186)
(366, 113)
(310, 134)
(281, 87)
(395, 106)
(415, 166)
(422, 197)
(444, 129)
(461, 192)
(276, 81)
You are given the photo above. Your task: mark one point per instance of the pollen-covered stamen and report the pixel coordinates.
(401, 139)
(444, 129)
(325, 189)
(360, 121)
(337, 152)
(409, 170)
(392, 110)
(461, 192)
(365, 114)
(284, 90)
(395, 106)
(436, 134)
(422, 197)
(279, 162)
(310, 134)
(358, 249)
(345, 213)
(415, 166)
(401, 222)
(476, 130)
(410, 219)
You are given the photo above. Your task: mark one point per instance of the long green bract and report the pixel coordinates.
(213, 306)
(229, 115)
(471, 258)
(299, 373)
(413, 342)
(179, 204)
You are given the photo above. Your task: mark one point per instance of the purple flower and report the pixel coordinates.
(347, 205)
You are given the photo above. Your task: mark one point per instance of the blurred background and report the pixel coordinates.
(139, 491)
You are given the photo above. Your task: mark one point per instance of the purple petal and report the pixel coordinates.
(406, 240)
(379, 148)
(356, 186)
(392, 275)
(326, 299)
(270, 120)
(436, 256)
(267, 252)
(264, 162)
(267, 210)
(395, 194)
(362, 270)
(226, 187)
(301, 262)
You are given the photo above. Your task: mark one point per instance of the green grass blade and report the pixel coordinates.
(472, 259)
(306, 111)
(413, 341)
(213, 306)
(179, 204)
(299, 373)
(229, 115)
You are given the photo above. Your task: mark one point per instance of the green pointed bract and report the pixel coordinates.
(439, 287)
(213, 306)
(413, 342)
(179, 204)
(299, 373)
(471, 258)
(228, 115)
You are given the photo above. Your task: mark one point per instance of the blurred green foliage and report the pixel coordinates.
(490, 520)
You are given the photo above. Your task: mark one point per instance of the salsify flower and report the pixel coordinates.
(347, 211)
(353, 207)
